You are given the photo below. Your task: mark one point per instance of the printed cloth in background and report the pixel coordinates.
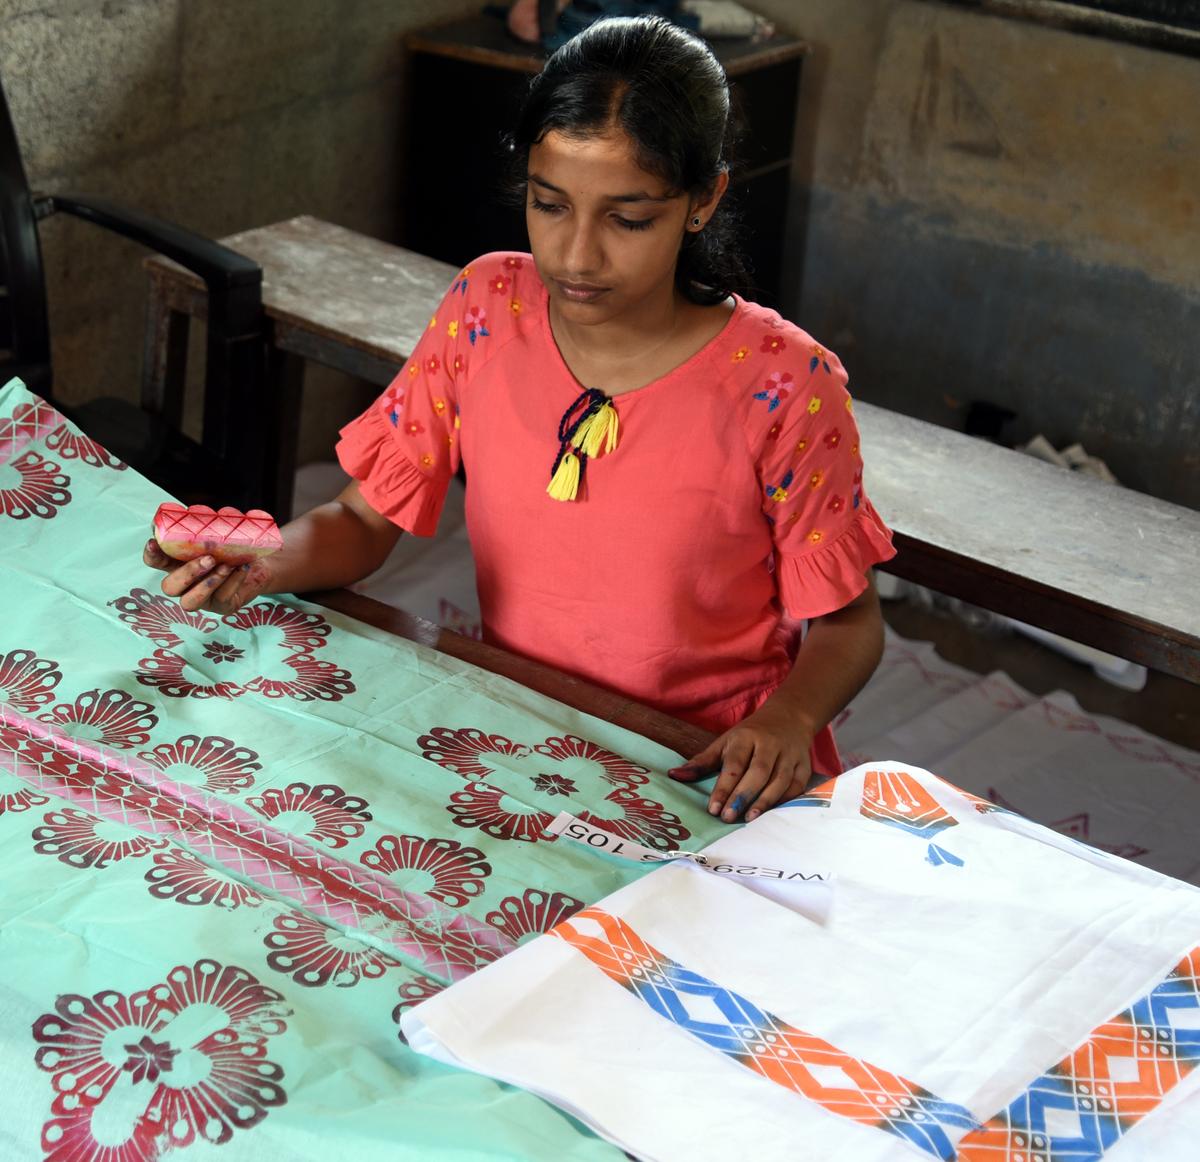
(983, 990)
(235, 849)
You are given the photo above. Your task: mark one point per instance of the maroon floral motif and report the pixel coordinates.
(26, 681)
(495, 813)
(314, 955)
(71, 445)
(301, 632)
(413, 992)
(16, 797)
(194, 1048)
(111, 717)
(215, 763)
(74, 837)
(165, 671)
(159, 618)
(148, 1059)
(554, 785)
(41, 492)
(466, 751)
(618, 771)
(457, 872)
(180, 876)
(327, 813)
(640, 819)
(315, 681)
(528, 915)
(220, 652)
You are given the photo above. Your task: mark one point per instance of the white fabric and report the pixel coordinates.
(967, 951)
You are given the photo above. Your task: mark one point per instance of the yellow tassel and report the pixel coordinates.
(599, 431)
(565, 482)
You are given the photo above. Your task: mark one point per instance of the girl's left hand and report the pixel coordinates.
(763, 761)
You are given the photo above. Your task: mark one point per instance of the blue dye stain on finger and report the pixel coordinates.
(738, 803)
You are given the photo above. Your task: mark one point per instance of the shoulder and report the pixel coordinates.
(495, 297)
(777, 376)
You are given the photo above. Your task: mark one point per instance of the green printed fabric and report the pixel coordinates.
(237, 848)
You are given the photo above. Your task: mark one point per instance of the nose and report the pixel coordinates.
(583, 255)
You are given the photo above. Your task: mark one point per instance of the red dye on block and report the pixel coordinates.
(228, 535)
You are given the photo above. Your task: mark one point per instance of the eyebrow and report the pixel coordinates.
(638, 197)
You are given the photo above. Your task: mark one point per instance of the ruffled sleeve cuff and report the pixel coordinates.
(831, 575)
(389, 482)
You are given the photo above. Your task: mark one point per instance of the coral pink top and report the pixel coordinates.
(731, 509)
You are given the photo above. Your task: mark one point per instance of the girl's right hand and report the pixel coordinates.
(204, 584)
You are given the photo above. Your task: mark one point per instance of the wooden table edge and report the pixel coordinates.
(680, 737)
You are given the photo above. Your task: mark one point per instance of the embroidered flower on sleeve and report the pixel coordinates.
(439, 406)
(460, 285)
(427, 461)
(393, 401)
(776, 389)
(433, 365)
(414, 427)
(814, 405)
(458, 364)
(816, 536)
(512, 262)
(832, 439)
(819, 358)
(774, 430)
(773, 344)
(476, 320)
(413, 368)
(515, 306)
(816, 479)
(452, 328)
(433, 322)
(739, 356)
(498, 285)
(801, 444)
(836, 504)
(778, 492)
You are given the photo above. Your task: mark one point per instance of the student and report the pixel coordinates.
(664, 479)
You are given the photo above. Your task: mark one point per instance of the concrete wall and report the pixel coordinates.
(217, 114)
(983, 208)
(997, 210)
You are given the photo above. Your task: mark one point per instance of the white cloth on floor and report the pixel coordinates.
(984, 989)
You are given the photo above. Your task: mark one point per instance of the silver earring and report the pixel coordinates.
(697, 222)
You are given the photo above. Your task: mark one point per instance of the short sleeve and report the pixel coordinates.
(404, 448)
(827, 535)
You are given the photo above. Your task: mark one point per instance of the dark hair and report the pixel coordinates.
(666, 90)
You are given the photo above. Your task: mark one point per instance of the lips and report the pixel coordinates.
(580, 292)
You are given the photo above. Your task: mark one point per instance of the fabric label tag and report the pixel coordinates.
(566, 825)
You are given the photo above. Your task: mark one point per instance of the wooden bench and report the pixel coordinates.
(329, 295)
(1096, 563)
(1090, 561)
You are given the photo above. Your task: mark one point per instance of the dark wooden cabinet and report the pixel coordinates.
(466, 82)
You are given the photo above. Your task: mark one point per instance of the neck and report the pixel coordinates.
(639, 332)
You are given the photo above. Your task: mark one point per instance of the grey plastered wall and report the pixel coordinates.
(998, 210)
(217, 114)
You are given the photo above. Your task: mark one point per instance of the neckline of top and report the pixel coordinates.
(699, 357)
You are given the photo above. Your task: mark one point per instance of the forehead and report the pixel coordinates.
(604, 165)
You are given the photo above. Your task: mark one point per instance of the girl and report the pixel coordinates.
(665, 479)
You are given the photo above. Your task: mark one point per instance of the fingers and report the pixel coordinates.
(153, 556)
(785, 786)
(701, 766)
(747, 771)
(195, 582)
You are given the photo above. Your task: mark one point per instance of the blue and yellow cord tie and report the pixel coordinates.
(590, 426)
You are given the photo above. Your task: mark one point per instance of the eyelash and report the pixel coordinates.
(625, 223)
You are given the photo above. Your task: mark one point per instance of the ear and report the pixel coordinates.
(706, 204)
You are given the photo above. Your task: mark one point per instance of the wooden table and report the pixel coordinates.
(339, 298)
(1090, 561)
(681, 737)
